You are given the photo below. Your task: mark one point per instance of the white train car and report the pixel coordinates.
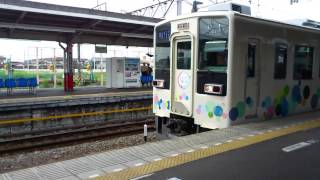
(216, 69)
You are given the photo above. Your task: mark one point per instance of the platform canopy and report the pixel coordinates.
(40, 21)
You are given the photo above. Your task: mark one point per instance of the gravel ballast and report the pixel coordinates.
(11, 162)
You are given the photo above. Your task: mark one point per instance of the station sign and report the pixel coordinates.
(101, 48)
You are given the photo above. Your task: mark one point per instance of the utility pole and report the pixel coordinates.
(79, 66)
(54, 68)
(179, 7)
(101, 71)
(37, 65)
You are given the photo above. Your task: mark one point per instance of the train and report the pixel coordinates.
(216, 69)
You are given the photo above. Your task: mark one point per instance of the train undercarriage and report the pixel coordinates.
(176, 126)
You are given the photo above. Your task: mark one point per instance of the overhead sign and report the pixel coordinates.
(101, 48)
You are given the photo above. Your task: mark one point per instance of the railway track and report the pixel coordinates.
(75, 136)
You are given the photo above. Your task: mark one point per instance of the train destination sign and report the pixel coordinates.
(183, 26)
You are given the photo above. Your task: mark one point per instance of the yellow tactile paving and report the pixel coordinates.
(203, 153)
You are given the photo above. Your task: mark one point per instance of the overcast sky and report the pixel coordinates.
(273, 9)
(278, 9)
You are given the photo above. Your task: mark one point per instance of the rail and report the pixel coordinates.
(77, 136)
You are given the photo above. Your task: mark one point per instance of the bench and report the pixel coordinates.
(12, 83)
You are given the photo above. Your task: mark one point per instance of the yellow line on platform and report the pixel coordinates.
(203, 153)
(15, 121)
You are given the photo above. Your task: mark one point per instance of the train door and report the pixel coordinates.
(182, 85)
(252, 77)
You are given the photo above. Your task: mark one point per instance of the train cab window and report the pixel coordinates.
(184, 55)
(251, 59)
(280, 65)
(213, 44)
(214, 56)
(303, 62)
(162, 54)
(213, 53)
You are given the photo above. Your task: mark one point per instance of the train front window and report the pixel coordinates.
(213, 44)
(213, 54)
(162, 54)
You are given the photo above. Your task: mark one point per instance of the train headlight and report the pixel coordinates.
(159, 83)
(213, 89)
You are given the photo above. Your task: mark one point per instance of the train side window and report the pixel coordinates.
(280, 65)
(162, 54)
(251, 59)
(303, 62)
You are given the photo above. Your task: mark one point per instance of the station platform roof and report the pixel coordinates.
(40, 21)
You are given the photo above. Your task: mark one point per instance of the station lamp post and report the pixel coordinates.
(101, 48)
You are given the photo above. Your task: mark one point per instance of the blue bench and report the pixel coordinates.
(21, 82)
(30, 83)
(2, 85)
(146, 79)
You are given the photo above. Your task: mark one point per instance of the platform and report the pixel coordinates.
(148, 158)
(57, 97)
(293, 156)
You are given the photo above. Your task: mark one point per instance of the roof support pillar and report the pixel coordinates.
(79, 65)
(67, 66)
(68, 76)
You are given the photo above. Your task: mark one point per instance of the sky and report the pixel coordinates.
(280, 10)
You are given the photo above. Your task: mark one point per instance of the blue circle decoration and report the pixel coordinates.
(295, 95)
(278, 110)
(263, 104)
(267, 101)
(284, 107)
(306, 92)
(218, 111)
(299, 99)
(314, 101)
(233, 113)
(187, 98)
(249, 102)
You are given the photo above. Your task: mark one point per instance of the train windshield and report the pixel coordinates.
(162, 54)
(213, 44)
